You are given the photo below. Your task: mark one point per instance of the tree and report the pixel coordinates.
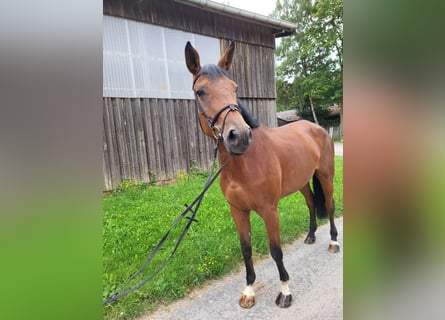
(310, 62)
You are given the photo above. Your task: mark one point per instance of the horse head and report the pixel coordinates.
(215, 92)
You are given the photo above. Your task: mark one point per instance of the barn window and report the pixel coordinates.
(146, 61)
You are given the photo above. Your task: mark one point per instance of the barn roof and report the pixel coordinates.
(280, 28)
(288, 115)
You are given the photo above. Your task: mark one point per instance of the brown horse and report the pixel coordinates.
(262, 164)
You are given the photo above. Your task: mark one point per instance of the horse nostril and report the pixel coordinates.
(233, 135)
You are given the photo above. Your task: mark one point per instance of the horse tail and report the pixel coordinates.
(319, 199)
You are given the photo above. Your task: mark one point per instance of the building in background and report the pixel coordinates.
(151, 131)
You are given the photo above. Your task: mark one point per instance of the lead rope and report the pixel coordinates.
(193, 208)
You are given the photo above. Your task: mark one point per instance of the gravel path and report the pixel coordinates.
(316, 283)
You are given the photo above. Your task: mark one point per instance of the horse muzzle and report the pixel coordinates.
(237, 141)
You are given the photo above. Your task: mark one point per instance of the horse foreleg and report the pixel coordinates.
(271, 221)
(242, 222)
(309, 197)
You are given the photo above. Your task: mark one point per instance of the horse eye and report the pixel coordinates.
(200, 92)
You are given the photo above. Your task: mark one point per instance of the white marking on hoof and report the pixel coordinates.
(334, 243)
(247, 300)
(249, 291)
(285, 288)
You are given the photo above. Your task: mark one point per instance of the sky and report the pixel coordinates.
(264, 7)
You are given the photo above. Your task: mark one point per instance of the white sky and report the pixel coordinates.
(264, 7)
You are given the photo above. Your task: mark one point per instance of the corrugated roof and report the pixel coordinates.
(281, 28)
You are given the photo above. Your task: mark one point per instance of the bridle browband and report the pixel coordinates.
(211, 122)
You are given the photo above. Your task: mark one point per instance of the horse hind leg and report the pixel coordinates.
(330, 208)
(333, 246)
(326, 182)
(308, 196)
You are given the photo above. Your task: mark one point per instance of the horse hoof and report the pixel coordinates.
(334, 248)
(283, 301)
(309, 240)
(246, 301)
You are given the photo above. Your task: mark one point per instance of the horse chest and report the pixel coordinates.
(250, 193)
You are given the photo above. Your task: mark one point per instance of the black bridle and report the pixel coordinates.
(217, 132)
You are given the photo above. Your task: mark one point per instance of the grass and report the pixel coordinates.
(136, 216)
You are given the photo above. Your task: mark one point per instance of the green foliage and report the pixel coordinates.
(136, 218)
(310, 63)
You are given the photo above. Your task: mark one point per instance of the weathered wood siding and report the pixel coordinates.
(253, 70)
(155, 139)
(175, 15)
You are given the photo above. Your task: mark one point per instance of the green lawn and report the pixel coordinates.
(135, 217)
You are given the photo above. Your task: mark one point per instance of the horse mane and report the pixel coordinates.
(247, 116)
(212, 71)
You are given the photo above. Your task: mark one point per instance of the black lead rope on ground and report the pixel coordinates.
(193, 208)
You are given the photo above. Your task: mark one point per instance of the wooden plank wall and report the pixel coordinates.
(253, 70)
(155, 139)
(169, 13)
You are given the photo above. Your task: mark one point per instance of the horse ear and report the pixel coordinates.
(192, 59)
(226, 59)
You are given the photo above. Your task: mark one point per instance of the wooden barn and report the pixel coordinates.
(151, 132)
